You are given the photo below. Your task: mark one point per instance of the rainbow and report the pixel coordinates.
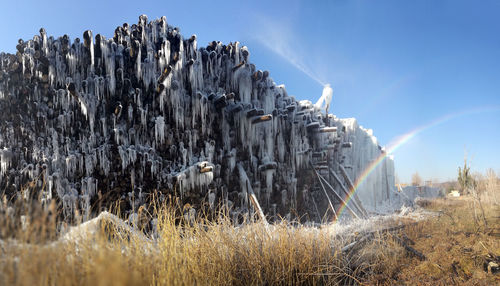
(401, 140)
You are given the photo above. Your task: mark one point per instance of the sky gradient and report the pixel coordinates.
(396, 66)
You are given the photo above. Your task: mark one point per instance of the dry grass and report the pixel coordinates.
(214, 252)
(207, 252)
(455, 243)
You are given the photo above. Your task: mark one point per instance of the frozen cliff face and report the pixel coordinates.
(97, 121)
(377, 192)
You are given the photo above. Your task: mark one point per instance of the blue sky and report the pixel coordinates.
(394, 65)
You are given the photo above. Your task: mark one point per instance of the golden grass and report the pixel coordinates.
(455, 244)
(214, 252)
(207, 252)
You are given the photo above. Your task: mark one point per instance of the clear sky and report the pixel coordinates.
(394, 65)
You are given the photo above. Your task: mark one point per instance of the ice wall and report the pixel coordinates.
(377, 192)
(96, 121)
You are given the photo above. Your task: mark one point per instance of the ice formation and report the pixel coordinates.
(325, 99)
(99, 120)
(377, 192)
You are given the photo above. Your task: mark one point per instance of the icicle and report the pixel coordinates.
(144, 113)
(130, 112)
(211, 200)
(5, 160)
(70, 165)
(160, 129)
(183, 154)
(138, 70)
(123, 157)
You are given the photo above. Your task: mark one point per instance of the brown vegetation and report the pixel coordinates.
(456, 245)
(458, 248)
(185, 253)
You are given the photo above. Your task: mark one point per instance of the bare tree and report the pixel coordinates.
(416, 180)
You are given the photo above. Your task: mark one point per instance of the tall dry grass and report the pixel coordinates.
(207, 252)
(490, 186)
(36, 248)
(457, 247)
